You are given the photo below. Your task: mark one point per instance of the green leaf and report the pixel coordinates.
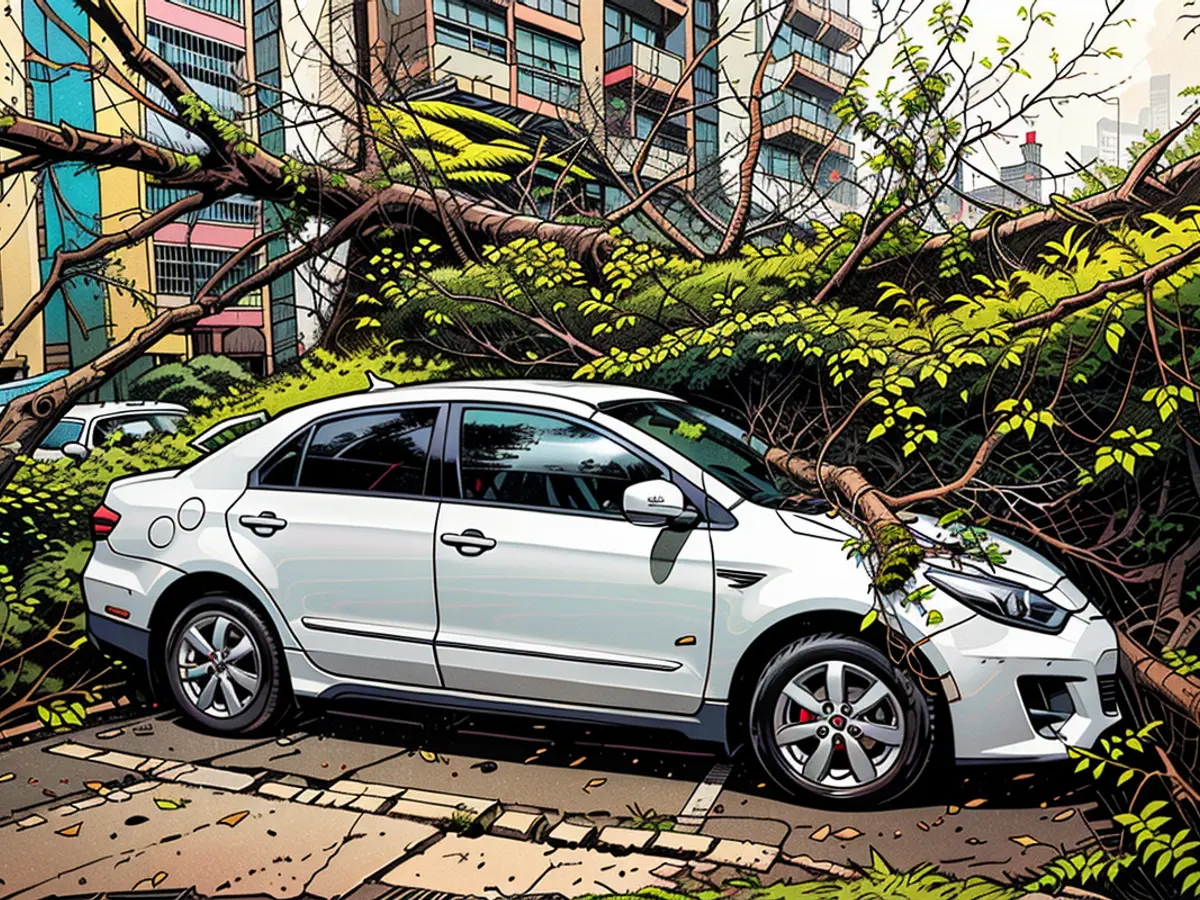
(868, 620)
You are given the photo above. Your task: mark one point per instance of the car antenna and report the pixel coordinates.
(375, 383)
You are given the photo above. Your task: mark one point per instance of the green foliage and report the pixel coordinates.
(1182, 661)
(201, 376)
(457, 145)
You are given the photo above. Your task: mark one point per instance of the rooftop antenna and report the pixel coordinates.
(375, 383)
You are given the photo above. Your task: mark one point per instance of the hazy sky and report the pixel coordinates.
(1153, 45)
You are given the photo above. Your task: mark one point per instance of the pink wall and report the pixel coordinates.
(188, 19)
(206, 234)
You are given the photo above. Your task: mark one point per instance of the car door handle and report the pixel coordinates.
(471, 542)
(264, 524)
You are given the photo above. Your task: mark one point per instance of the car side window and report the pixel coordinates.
(380, 452)
(136, 426)
(281, 467)
(526, 459)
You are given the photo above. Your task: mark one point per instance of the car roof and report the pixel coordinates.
(92, 410)
(591, 393)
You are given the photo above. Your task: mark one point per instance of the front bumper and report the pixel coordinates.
(1025, 696)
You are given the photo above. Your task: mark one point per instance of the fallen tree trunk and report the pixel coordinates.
(1181, 692)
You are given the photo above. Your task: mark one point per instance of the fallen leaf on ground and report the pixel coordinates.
(1023, 776)
(923, 826)
(594, 783)
(974, 841)
(1064, 815)
(1025, 840)
(164, 803)
(158, 879)
(428, 756)
(70, 830)
(7, 776)
(577, 762)
(820, 834)
(93, 785)
(533, 758)
(953, 810)
(847, 834)
(487, 767)
(108, 735)
(971, 804)
(233, 818)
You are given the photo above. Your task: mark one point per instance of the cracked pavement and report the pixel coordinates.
(129, 828)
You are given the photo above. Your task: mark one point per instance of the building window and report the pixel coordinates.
(206, 63)
(469, 27)
(229, 9)
(235, 210)
(621, 26)
(181, 270)
(781, 163)
(560, 9)
(548, 68)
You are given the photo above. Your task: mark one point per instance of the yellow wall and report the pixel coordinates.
(19, 275)
(122, 200)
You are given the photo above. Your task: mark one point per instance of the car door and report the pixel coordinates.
(545, 591)
(337, 524)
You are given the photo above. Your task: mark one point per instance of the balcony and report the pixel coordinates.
(793, 120)
(649, 66)
(665, 158)
(831, 19)
(828, 71)
(475, 73)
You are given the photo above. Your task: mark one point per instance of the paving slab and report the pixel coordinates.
(313, 756)
(166, 735)
(621, 840)
(555, 787)
(571, 834)
(39, 777)
(574, 873)
(521, 826)
(682, 844)
(963, 843)
(277, 849)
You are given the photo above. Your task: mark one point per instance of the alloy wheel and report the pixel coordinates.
(838, 726)
(219, 665)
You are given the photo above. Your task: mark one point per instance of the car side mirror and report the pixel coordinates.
(75, 450)
(657, 503)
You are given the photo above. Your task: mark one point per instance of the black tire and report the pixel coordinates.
(262, 707)
(835, 740)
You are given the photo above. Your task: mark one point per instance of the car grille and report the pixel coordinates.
(1109, 690)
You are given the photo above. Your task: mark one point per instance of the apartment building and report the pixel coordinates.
(609, 68)
(18, 221)
(212, 43)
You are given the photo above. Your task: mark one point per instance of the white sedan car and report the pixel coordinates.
(579, 551)
(88, 425)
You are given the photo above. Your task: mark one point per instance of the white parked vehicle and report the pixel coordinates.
(586, 552)
(88, 425)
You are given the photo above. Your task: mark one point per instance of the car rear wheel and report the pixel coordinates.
(224, 666)
(833, 720)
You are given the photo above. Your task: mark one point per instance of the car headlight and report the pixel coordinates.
(1004, 601)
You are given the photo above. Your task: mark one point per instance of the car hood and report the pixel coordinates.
(1022, 564)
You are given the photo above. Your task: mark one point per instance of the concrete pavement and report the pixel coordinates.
(483, 807)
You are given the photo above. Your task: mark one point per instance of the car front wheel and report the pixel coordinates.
(834, 721)
(224, 666)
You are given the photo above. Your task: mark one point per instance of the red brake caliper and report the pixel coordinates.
(805, 716)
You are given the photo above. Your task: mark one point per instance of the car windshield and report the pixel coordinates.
(716, 445)
(66, 431)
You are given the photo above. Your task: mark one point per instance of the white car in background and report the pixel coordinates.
(587, 552)
(88, 425)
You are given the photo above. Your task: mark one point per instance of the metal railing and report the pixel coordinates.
(229, 211)
(229, 9)
(644, 58)
(801, 44)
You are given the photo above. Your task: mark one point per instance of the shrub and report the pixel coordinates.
(203, 376)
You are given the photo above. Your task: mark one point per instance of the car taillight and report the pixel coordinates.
(104, 520)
